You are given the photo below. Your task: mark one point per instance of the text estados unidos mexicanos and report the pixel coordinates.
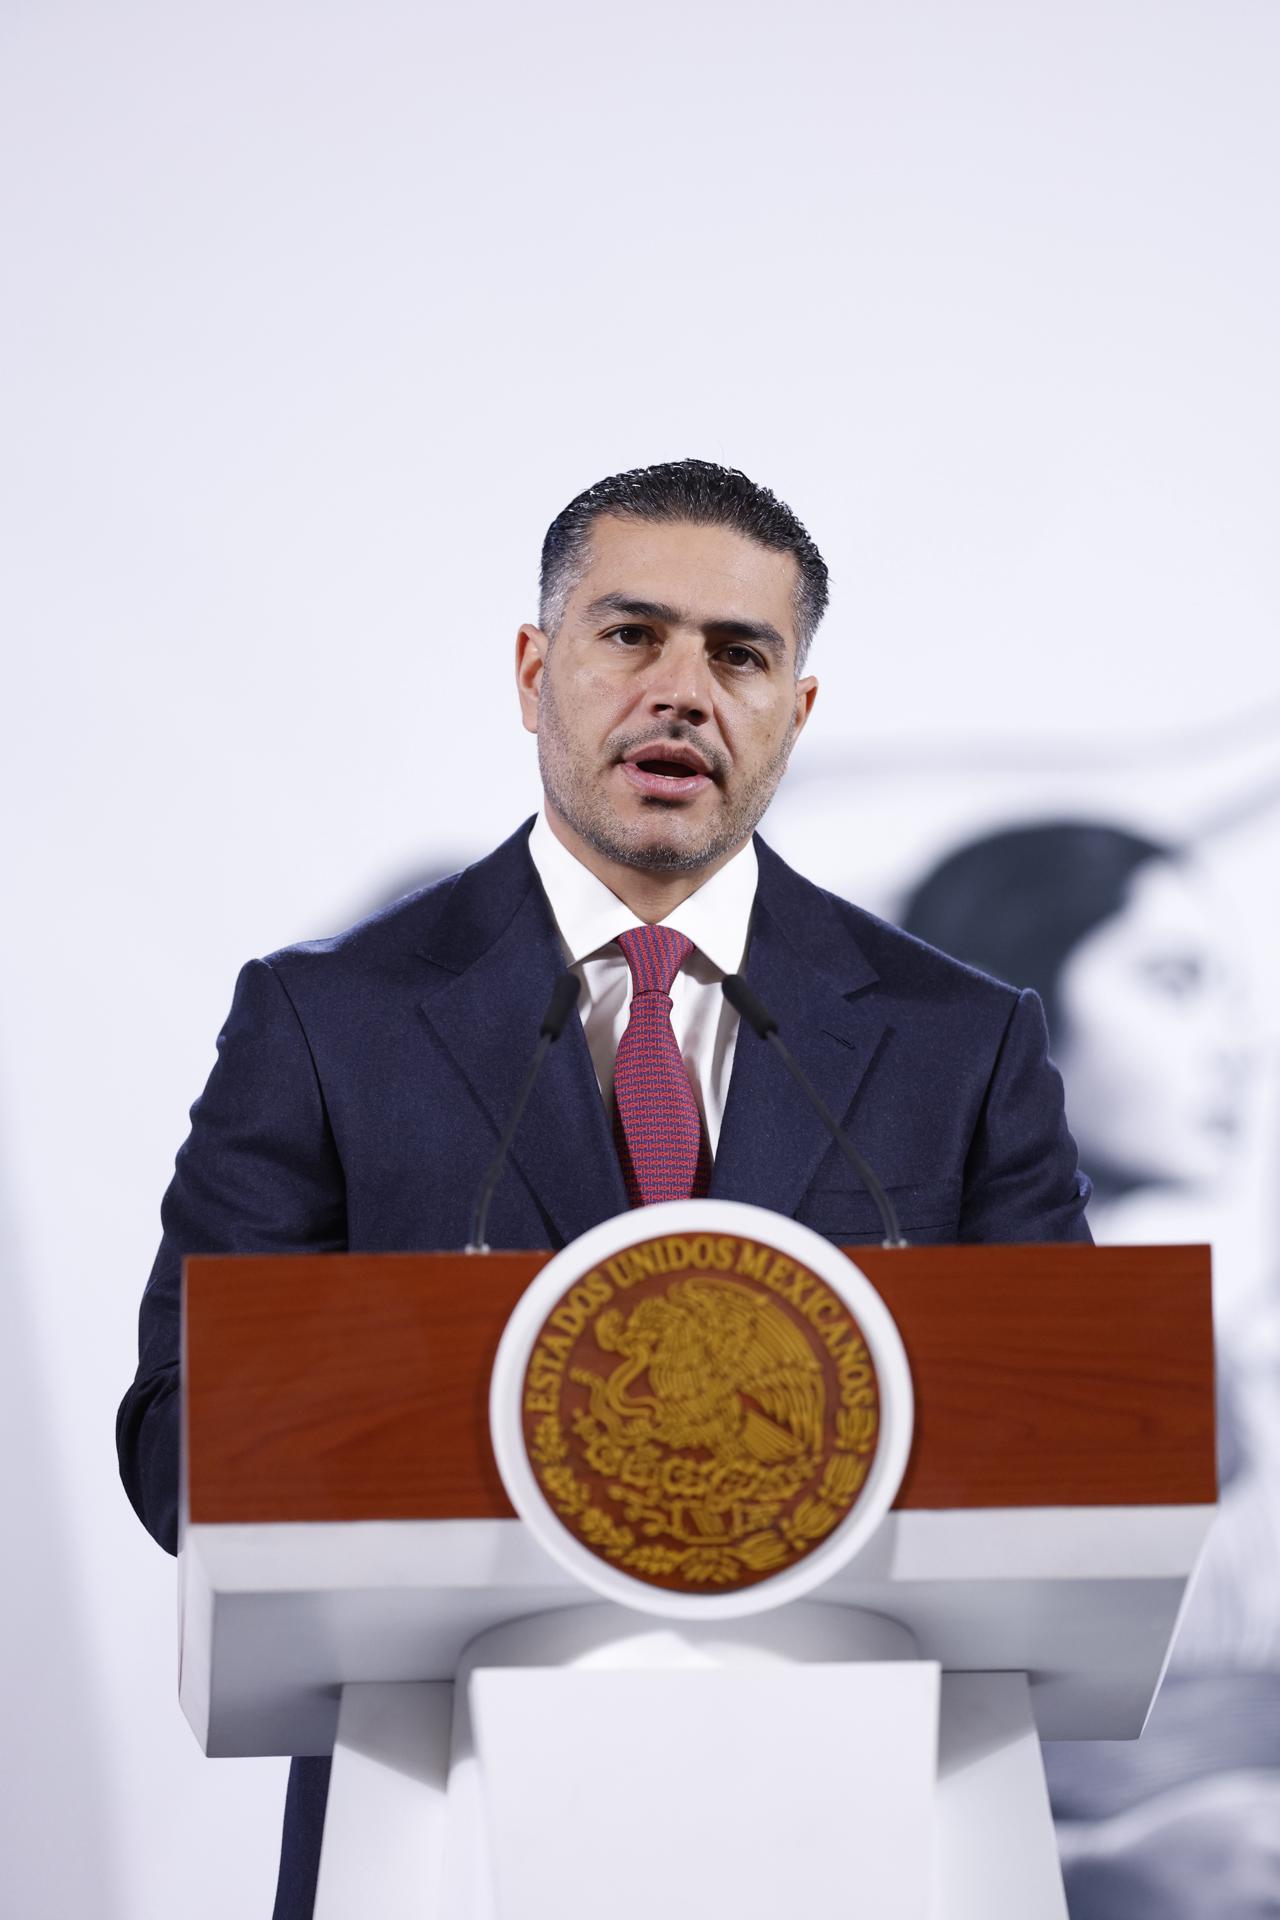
(704, 1253)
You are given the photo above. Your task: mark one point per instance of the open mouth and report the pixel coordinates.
(665, 776)
(667, 769)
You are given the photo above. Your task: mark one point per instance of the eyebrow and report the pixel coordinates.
(664, 615)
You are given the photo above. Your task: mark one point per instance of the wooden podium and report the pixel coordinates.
(347, 1548)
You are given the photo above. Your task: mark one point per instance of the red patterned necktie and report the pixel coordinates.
(656, 1122)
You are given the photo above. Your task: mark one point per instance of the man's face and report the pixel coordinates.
(668, 704)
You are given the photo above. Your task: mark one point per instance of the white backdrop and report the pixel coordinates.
(314, 316)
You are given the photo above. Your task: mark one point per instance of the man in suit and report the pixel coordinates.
(361, 1081)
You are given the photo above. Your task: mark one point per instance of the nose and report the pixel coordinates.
(680, 682)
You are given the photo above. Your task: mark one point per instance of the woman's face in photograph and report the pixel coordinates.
(1151, 1038)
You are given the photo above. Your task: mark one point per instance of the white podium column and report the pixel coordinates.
(997, 1858)
(593, 1759)
(384, 1824)
(609, 1762)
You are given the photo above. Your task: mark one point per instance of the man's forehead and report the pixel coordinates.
(709, 573)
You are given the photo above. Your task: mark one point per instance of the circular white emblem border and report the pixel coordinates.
(807, 1248)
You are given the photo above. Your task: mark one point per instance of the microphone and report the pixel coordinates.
(564, 998)
(757, 1016)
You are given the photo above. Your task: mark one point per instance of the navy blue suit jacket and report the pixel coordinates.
(361, 1082)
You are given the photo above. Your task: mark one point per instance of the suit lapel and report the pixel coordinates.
(495, 953)
(804, 965)
(498, 951)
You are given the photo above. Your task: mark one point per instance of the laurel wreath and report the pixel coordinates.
(712, 1565)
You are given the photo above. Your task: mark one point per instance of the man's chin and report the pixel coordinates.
(652, 838)
(663, 858)
(670, 847)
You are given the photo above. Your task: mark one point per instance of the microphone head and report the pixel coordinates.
(744, 1002)
(564, 998)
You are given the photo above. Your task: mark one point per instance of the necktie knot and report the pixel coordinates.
(655, 956)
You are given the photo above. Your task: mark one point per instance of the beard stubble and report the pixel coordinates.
(574, 788)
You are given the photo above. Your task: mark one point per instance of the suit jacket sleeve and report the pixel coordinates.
(259, 1173)
(1022, 1181)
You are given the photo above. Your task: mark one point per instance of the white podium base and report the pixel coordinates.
(593, 1759)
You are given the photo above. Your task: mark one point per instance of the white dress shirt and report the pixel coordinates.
(716, 918)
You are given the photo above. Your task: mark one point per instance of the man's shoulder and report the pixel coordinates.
(903, 966)
(436, 922)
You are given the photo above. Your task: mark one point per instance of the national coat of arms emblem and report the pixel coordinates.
(700, 1411)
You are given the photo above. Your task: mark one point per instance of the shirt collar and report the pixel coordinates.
(588, 916)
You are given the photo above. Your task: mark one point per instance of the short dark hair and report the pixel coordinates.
(695, 490)
(1017, 903)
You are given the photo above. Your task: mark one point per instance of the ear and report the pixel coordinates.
(806, 694)
(532, 647)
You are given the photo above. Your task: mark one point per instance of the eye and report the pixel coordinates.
(739, 656)
(628, 636)
(1175, 976)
